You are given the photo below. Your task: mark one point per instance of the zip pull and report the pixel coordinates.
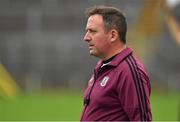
(86, 101)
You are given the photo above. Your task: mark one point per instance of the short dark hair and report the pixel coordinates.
(113, 19)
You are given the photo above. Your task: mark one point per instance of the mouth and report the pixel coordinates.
(91, 46)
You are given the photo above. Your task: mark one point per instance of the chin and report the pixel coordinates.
(91, 53)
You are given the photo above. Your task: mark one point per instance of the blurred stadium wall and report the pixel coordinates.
(41, 42)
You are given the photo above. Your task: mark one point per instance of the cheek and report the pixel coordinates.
(103, 43)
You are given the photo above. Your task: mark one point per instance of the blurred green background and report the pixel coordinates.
(67, 105)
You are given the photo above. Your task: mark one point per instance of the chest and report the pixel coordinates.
(102, 88)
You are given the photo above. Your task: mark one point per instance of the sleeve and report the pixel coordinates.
(134, 97)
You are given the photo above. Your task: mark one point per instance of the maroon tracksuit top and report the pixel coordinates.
(119, 90)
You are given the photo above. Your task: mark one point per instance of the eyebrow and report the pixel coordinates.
(90, 28)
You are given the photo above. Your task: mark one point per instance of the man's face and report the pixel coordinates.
(96, 36)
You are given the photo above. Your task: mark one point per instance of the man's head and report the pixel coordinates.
(113, 18)
(105, 30)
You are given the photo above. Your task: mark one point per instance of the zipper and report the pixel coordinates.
(87, 99)
(89, 94)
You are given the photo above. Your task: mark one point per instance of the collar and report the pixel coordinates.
(109, 60)
(117, 59)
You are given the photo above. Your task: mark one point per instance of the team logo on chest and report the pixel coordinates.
(104, 81)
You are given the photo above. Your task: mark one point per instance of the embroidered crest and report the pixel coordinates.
(104, 81)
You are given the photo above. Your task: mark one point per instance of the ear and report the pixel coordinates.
(113, 35)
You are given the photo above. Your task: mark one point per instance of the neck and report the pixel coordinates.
(114, 52)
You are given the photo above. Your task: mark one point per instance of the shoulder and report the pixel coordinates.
(133, 69)
(132, 64)
(130, 68)
(124, 68)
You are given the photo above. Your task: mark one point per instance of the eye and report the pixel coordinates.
(92, 31)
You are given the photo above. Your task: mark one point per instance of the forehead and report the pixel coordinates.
(95, 20)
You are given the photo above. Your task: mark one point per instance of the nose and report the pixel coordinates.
(87, 38)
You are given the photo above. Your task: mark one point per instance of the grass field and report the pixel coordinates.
(67, 106)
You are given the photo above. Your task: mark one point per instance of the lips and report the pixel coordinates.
(91, 46)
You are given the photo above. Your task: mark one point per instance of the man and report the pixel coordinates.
(119, 88)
